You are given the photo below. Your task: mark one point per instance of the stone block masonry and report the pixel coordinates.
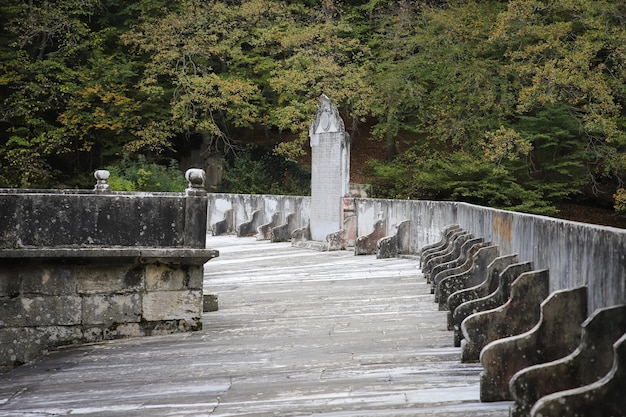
(60, 299)
(85, 267)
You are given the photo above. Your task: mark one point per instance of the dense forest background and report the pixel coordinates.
(513, 104)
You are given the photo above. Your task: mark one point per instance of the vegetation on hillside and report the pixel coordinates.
(516, 104)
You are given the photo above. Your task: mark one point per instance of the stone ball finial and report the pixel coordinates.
(102, 176)
(196, 178)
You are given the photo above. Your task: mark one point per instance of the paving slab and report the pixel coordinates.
(298, 333)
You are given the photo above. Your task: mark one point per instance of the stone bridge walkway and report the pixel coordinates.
(298, 333)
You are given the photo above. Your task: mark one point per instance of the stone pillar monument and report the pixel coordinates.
(330, 169)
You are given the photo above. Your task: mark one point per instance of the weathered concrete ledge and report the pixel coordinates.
(575, 253)
(187, 256)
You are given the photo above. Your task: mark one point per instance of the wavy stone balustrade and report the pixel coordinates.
(446, 233)
(591, 361)
(491, 301)
(456, 266)
(519, 314)
(264, 231)
(452, 252)
(427, 259)
(605, 397)
(556, 335)
(448, 285)
(487, 271)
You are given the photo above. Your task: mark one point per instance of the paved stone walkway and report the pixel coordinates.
(298, 333)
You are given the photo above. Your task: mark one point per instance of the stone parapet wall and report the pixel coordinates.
(32, 218)
(81, 267)
(242, 207)
(575, 253)
(48, 301)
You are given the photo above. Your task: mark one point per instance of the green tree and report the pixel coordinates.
(137, 174)
(224, 67)
(572, 53)
(66, 92)
(535, 99)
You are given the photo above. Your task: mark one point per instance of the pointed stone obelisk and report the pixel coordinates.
(330, 169)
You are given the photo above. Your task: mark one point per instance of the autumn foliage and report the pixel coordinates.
(517, 104)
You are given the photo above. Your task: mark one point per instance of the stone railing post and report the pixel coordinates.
(196, 202)
(102, 185)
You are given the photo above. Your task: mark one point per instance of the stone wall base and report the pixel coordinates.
(86, 296)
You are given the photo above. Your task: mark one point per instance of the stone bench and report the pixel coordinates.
(451, 252)
(397, 243)
(226, 225)
(264, 231)
(367, 244)
(283, 232)
(448, 246)
(442, 243)
(249, 228)
(448, 283)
